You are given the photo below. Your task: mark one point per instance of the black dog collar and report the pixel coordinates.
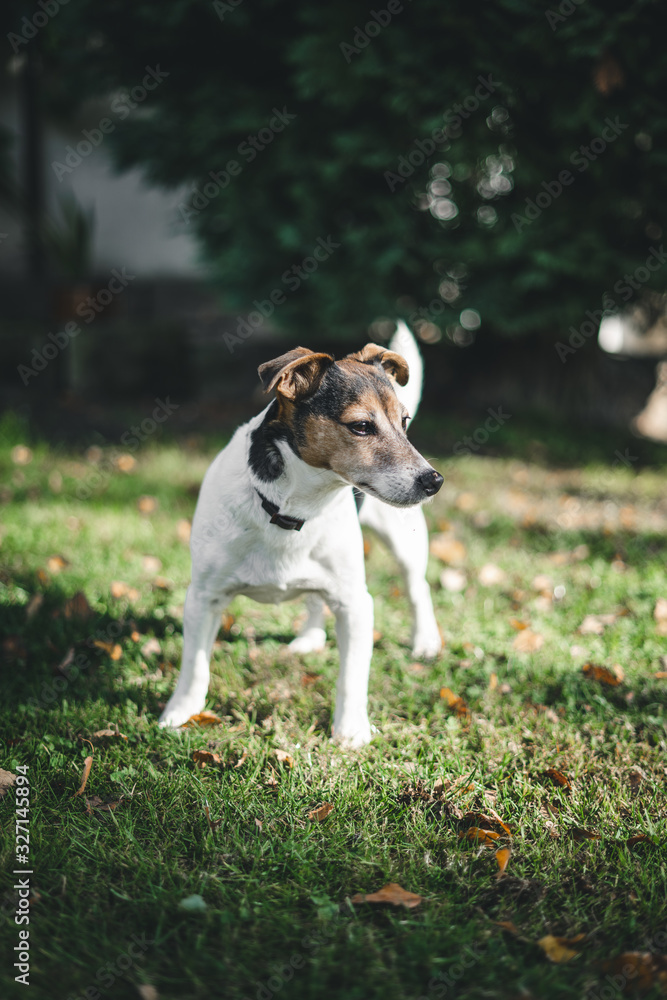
(288, 523)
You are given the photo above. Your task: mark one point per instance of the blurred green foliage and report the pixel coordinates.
(362, 98)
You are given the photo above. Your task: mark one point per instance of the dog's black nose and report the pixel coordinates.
(430, 482)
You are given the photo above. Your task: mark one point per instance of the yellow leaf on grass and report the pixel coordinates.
(108, 734)
(448, 549)
(602, 674)
(528, 641)
(321, 812)
(204, 757)
(391, 893)
(559, 949)
(519, 626)
(114, 650)
(476, 833)
(491, 575)
(147, 504)
(502, 858)
(55, 564)
(204, 718)
(454, 701)
(557, 778)
(87, 764)
(284, 757)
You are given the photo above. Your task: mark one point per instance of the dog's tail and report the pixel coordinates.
(404, 343)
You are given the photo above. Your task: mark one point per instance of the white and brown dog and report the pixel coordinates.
(276, 517)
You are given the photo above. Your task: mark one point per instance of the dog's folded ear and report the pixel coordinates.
(394, 364)
(296, 374)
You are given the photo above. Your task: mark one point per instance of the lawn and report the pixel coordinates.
(182, 874)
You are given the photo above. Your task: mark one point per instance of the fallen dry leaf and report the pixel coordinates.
(147, 992)
(580, 834)
(639, 838)
(528, 641)
(661, 675)
(596, 624)
(151, 564)
(476, 833)
(21, 455)
(226, 622)
(98, 804)
(454, 701)
(557, 778)
(125, 462)
(184, 530)
(640, 971)
(77, 606)
(321, 812)
(519, 626)
(151, 647)
(559, 949)
(391, 893)
(147, 504)
(310, 678)
(204, 718)
(108, 734)
(284, 758)
(87, 764)
(448, 549)
(493, 682)
(55, 564)
(509, 926)
(491, 575)
(603, 674)
(502, 859)
(162, 583)
(241, 761)
(7, 779)
(204, 757)
(114, 650)
(453, 580)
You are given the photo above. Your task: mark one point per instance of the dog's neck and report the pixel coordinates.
(276, 471)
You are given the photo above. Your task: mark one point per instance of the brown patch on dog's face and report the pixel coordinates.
(355, 425)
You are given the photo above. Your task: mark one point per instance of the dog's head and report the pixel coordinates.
(345, 416)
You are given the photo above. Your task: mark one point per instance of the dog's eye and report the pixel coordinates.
(404, 421)
(362, 428)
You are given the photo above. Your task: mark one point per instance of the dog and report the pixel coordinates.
(280, 511)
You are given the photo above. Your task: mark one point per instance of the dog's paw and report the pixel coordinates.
(311, 641)
(426, 645)
(353, 733)
(177, 713)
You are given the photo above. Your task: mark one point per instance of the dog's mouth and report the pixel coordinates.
(425, 486)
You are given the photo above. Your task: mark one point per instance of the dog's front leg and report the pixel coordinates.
(201, 621)
(354, 631)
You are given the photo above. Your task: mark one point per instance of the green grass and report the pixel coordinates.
(275, 885)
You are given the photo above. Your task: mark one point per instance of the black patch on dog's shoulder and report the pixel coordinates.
(264, 455)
